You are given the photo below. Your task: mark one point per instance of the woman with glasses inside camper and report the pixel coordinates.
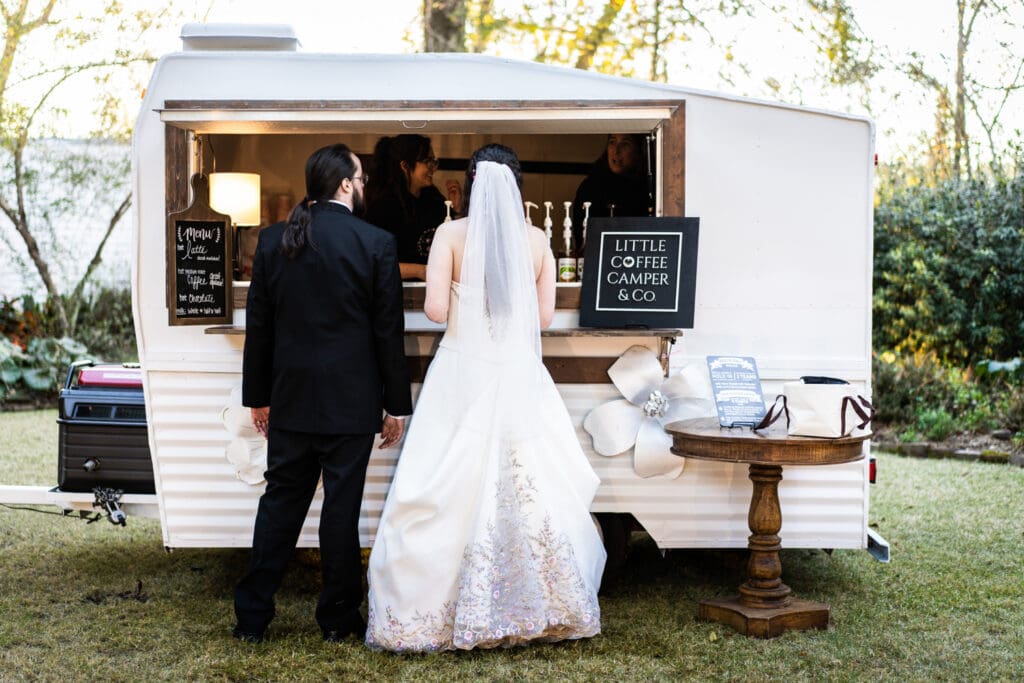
(617, 185)
(403, 200)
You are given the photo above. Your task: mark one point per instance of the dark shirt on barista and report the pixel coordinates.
(602, 188)
(414, 226)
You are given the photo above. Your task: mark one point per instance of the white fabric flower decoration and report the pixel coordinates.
(247, 451)
(651, 402)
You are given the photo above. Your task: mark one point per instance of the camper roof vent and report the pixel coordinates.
(238, 37)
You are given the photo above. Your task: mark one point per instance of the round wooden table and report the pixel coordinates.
(765, 607)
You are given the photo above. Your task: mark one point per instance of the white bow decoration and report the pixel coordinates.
(247, 451)
(651, 402)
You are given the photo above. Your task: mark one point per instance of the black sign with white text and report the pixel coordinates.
(641, 272)
(201, 284)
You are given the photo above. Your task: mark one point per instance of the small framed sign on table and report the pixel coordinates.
(737, 389)
(199, 262)
(644, 273)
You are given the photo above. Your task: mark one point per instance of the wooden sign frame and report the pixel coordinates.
(201, 216)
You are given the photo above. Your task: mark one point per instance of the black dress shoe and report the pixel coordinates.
(337, 635)
(247, 636)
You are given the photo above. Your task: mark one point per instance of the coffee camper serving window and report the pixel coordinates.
(561, 145)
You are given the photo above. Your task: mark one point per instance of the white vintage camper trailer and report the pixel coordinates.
(783, 194)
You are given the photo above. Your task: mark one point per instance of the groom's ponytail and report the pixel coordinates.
(325, 169)
(296, 233)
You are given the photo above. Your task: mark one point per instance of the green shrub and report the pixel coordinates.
(936, 424)
(104, 324)
(1011, 371)
(947, 266)
(905, 385)
(1011, 408)
(920, 394)
(909, 435)
(34, 374)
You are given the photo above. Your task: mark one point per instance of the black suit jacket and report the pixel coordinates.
(324, 342)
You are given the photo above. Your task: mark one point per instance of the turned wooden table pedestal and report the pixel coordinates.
(765, 607)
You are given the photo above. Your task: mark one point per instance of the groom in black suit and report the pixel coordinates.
(324, 358)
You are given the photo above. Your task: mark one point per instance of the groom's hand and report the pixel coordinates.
(392, 431)
(260, 419)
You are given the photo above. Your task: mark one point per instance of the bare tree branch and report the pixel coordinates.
(20, 222)
(987, 125)
(118, 214)
(16, 28)
(83, 67)
(974, 15)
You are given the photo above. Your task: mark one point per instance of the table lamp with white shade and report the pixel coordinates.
(237, 195)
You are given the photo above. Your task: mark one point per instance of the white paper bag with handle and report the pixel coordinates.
(825, 410)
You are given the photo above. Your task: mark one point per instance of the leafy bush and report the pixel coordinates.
(905, 385)
(922, 396)
(19, 320)
(947, 272)
(1011, 370)
(105, 325)
(35, 373)
(936, 424)
(33, 362)
(103, 322)
(1011, 408)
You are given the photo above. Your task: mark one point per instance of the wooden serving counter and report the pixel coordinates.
(564, 369)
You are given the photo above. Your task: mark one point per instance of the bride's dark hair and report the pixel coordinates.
(499, 154)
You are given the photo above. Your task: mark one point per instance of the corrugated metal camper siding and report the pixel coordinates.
(205, 505)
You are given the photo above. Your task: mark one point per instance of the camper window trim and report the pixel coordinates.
(667, 117)
(440, 116)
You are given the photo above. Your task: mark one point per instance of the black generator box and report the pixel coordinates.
(102, 427)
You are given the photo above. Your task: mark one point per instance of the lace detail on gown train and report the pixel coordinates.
(520, 582)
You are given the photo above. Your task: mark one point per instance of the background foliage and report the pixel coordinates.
(949, 220)
(34, 358)
(948, 265)
(948, 299)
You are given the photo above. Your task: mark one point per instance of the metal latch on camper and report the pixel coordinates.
(109, 501)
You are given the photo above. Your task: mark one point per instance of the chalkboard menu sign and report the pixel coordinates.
(644, 273)
(199, 263)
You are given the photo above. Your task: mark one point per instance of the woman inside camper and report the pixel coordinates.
(617, 185)
(403, 200)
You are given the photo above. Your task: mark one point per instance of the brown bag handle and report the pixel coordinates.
(858, 404)
(771, 417)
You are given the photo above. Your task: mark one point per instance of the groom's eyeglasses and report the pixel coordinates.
(365, 178)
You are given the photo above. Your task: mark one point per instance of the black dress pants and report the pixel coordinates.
(294, 463)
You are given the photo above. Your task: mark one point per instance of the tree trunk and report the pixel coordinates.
(444, 25)
(598, 34)
(960, 104)
(655, 40)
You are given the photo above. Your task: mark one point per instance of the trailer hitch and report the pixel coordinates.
(109, 501)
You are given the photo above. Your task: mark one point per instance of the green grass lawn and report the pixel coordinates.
(949, 606)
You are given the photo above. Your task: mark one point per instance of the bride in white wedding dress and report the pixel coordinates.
(486, 538)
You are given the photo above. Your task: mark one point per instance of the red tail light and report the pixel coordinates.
(872, 470)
